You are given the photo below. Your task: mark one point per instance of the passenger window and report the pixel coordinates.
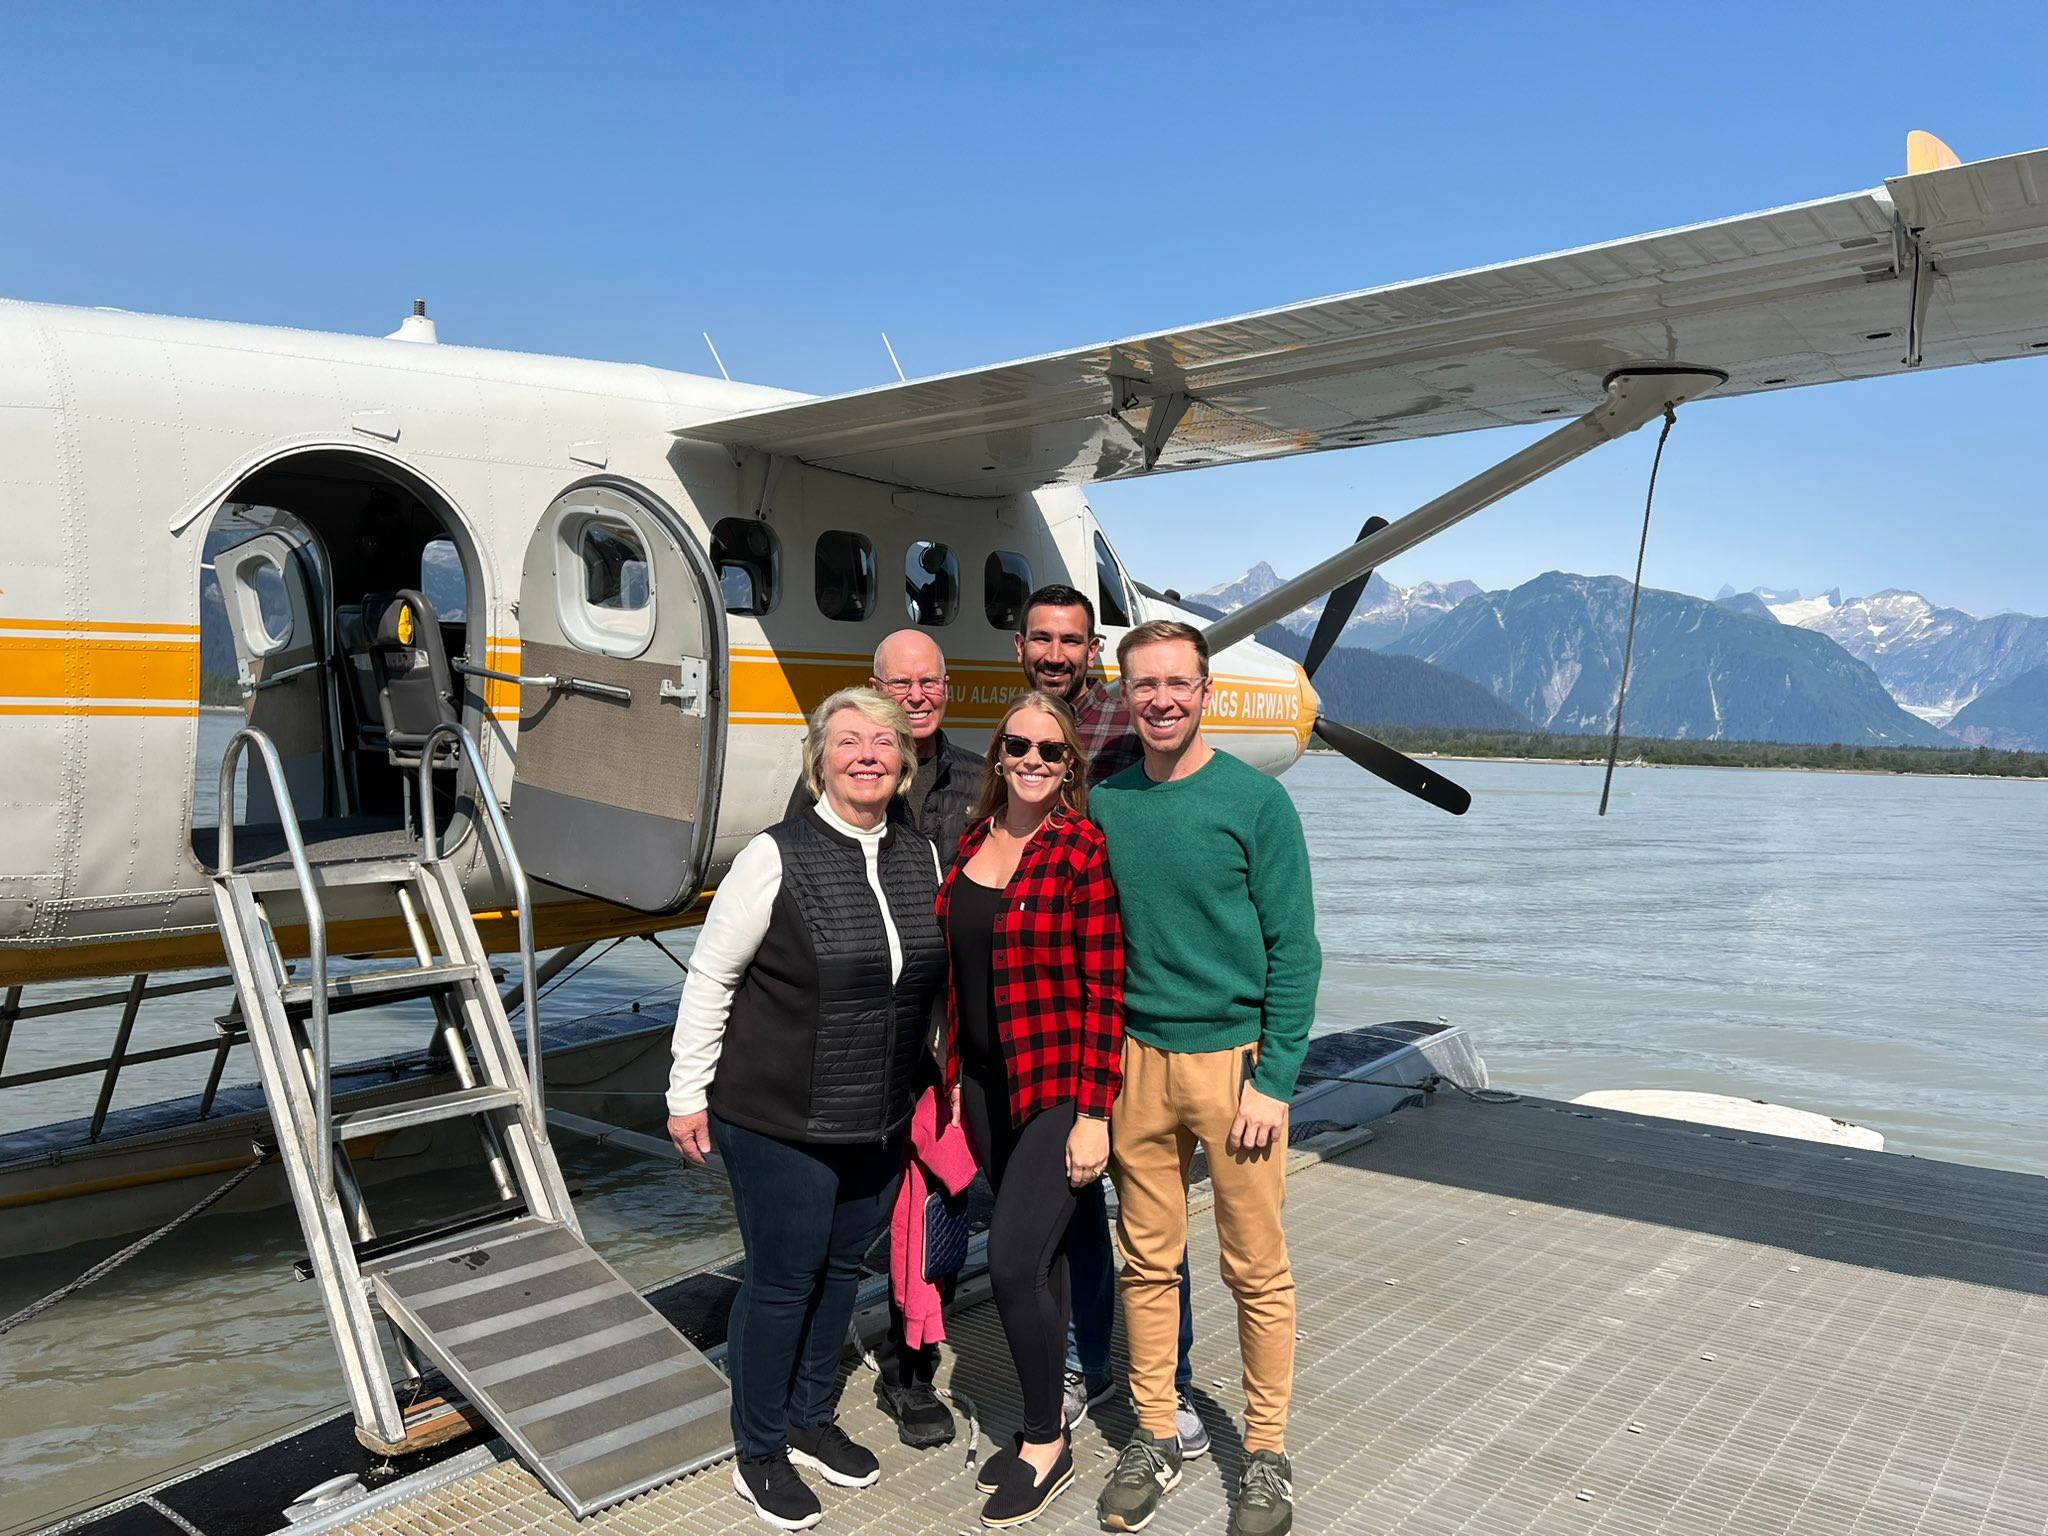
(606, 593)
(1112, 602)
(273, 608)
(931, 583)
(1005, 583)
(441, 579)
(847, 578)
(747, 557)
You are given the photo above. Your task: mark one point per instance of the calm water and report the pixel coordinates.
(1874, 948)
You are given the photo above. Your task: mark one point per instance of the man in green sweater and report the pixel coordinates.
(1221, 967)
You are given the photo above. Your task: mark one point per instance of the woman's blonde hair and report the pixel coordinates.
(995, 789)
(877, 707)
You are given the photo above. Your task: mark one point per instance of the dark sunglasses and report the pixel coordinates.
(1048, 751)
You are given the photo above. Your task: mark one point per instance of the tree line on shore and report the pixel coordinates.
(1981, 761)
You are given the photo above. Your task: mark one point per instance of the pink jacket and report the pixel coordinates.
(938, 1153)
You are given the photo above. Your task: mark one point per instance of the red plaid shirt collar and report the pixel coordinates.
(1103, 722)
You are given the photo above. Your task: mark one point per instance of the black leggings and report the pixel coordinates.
(1027, 1238)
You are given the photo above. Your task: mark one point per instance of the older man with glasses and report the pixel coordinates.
(910, 668)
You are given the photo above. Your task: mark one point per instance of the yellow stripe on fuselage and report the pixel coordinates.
(88, 671)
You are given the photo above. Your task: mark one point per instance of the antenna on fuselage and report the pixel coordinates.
(415, 326)
(715, 357)
(892, 360)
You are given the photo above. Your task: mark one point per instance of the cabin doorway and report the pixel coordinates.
(622, 709)
(300, 569)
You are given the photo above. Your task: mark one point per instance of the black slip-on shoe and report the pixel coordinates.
(922, 1420)
(990, 1477)
(1023, 1495)
(779, 1496)
(831, 1451)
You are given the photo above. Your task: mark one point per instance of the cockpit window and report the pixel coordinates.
(1112, 601)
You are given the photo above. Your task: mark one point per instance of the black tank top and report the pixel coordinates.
(970, 934)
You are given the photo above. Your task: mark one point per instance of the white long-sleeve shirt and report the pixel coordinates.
(726, 945)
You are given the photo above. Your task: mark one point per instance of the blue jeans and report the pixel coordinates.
(1092, 1276)
(807, 1212)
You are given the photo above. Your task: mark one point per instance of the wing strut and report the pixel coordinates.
(1634, 396)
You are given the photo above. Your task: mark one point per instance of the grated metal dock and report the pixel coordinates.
(1539, 1318)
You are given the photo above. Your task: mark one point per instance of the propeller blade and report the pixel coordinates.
(1397, 768)
(1337, 611)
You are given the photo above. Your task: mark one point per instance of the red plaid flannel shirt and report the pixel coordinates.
(1059, 964)
(1103, 721)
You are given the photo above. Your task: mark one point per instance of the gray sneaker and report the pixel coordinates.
(1084, 1390)
(1144, 1472)
(1194, 1437)
(1265, 1500)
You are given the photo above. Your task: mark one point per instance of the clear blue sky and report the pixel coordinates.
(609, 181)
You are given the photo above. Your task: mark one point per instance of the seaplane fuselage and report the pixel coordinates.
(204, 522)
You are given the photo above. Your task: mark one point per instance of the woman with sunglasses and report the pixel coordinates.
(1034, 1044)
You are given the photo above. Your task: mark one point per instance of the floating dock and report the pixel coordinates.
(1534, 1317)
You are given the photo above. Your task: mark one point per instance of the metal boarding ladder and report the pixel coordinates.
(592, 1387)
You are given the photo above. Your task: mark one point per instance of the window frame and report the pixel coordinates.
(997, 564)
(762, 606)
(621, 632)
(912, 562)
(869, 566)
(1107, 563)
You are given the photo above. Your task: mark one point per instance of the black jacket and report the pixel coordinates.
(821, 1045)
(940, 796)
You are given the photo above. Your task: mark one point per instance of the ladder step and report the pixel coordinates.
(424, 1111)
(384, 986)
(327, 877)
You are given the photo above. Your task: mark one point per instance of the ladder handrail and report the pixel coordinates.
(316, 918)
(501, 835)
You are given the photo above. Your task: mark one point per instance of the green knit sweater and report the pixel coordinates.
(1219, 918)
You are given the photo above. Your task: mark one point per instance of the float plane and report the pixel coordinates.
(323, 646)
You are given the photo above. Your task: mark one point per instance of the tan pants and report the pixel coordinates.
(1171, 1101)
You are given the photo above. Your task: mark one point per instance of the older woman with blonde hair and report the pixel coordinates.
(796, 1045)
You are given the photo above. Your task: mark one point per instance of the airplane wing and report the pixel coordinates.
(1945, 267)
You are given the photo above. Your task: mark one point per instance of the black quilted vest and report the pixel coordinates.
(821, 1045)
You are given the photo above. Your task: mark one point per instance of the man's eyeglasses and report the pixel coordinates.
(903, 687)
(1049, 752)
(1178, 689)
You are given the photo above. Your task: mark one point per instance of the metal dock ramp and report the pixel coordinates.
(1540, 1318)
(592, 1386)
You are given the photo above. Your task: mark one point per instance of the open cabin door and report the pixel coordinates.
(270, 592)
(622, 715)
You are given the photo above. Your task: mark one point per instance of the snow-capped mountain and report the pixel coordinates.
(1384, 614)
(1807, 612)
(1552, 649)
(1933, 660)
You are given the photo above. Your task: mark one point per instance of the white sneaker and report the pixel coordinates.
(1084, 1392)
(1194, 1436)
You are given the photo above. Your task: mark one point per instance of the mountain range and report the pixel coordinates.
(1384, 614)
(1766, 664)
(1933, 660)
(1552, 648)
